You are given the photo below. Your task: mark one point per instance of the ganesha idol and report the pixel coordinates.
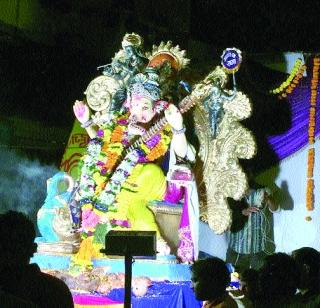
(122, 170)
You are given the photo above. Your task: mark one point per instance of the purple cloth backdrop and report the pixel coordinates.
(297, 136)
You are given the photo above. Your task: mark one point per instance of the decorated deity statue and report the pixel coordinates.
(121, 173)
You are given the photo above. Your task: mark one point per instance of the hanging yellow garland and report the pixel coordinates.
(295, 74)
(311, 136)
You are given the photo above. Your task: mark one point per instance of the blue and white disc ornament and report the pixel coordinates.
(231, 59)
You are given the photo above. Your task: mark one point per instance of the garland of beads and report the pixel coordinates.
(294, 82)
(101, 179)
(311, 132)
(293, 79)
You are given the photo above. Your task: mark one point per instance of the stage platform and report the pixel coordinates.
(161, 268)
(170, 281)
(163, 294)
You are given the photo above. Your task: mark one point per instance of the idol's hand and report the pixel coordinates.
(81, 111)
(174, 117)
(179, 142)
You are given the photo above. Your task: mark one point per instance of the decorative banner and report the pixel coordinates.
(231, 59)
(75, 149)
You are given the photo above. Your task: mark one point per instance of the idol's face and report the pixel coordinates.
(141, 109)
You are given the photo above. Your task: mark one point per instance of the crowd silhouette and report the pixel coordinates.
(23, 284)
(283, 280)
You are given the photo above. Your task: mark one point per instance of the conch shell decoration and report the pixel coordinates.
(218, 172)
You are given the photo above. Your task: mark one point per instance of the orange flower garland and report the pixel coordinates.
(112, 160)
(294, 83)
(117, 134)
(157, 151)
(310, 199)
(161, 147)
(310, 163)
(113, 148)
(311, 133)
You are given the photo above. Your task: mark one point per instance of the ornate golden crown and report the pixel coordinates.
(166, 52)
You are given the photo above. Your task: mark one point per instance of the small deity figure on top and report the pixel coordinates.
(214, 102)
(129, 61)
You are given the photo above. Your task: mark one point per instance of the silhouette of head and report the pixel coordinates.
(17, 234)
(210, 278)
(308, 262)
(278, 277)
(248, 283)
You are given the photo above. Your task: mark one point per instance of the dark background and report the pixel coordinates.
(50, 49)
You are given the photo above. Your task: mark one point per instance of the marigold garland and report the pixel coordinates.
(311, 134)
(117, 134)
(310, 198)
(159, 149)
(104, 169)
(292, 81)
(310, 163)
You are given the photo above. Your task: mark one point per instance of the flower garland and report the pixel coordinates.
(292, 81)
(311, 137)
(155, 147)
(101, 181)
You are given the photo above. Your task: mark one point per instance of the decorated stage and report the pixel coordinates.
(138, 172)
(159, 282)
